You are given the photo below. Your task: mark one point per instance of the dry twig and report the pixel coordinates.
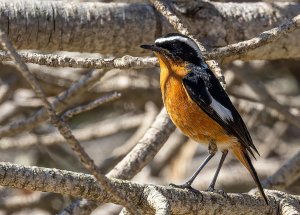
(90, 132)
(63, 127)
(94, 104)
(61, 102)
(264, 96)
(125, 62)
(138, 158)
(237, 49)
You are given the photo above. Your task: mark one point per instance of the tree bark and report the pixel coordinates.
(120, 28)
(175, 201)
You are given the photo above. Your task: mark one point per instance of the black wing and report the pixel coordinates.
(205, 90)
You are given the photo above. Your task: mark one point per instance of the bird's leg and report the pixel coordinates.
(212, 151)
(211, 187)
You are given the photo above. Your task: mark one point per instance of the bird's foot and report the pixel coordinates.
(184, 186)
(213, 190)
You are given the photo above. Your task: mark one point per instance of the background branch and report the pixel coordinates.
(59, 19)
(286, 175)
(62, 126)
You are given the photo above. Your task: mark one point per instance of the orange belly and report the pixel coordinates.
(189, 117)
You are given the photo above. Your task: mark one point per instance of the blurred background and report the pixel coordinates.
(110, 131)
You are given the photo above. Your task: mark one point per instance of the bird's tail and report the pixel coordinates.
(244, 158)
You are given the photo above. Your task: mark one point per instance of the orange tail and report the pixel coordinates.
(244, 158)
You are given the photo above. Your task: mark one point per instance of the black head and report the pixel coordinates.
(177, 47)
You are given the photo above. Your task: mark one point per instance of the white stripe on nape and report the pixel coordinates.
(222, 111)
(188, 41)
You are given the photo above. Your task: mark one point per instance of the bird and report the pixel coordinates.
(199, 106)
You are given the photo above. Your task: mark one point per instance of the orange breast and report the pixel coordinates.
(184, 112)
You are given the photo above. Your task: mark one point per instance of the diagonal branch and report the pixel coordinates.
(61, 102)
(146, 148)
(100, 101)
(63, 127)
(91, 132)
(144, 151)
(264, 96)
(236, 50)
(285, 175)
(165, 9)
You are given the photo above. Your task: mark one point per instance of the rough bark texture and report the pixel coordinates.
(89, 27)
(102, 27)
(143, 196)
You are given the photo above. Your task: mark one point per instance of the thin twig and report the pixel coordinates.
(52, 60)
(89, 132)
(140, 155)
(262, 39)
(60, 102)
(94, 104)
(63, 127)
(264, 96)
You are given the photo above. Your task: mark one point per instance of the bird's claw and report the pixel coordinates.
(221, 192)
(184, 186)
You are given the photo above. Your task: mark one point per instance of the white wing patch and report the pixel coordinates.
(222, 111)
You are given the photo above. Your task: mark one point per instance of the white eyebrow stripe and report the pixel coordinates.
(182, 39)
(222, 111)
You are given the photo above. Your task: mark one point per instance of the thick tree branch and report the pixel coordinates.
(180, 201)
(233, 51)
(216, 24)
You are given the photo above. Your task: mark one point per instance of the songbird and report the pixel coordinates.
(199, 106)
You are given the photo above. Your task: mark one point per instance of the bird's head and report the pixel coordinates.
(177, 48)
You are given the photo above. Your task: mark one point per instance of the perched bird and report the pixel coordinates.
(199, 106)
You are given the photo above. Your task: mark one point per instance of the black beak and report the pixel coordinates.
(151, 47)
